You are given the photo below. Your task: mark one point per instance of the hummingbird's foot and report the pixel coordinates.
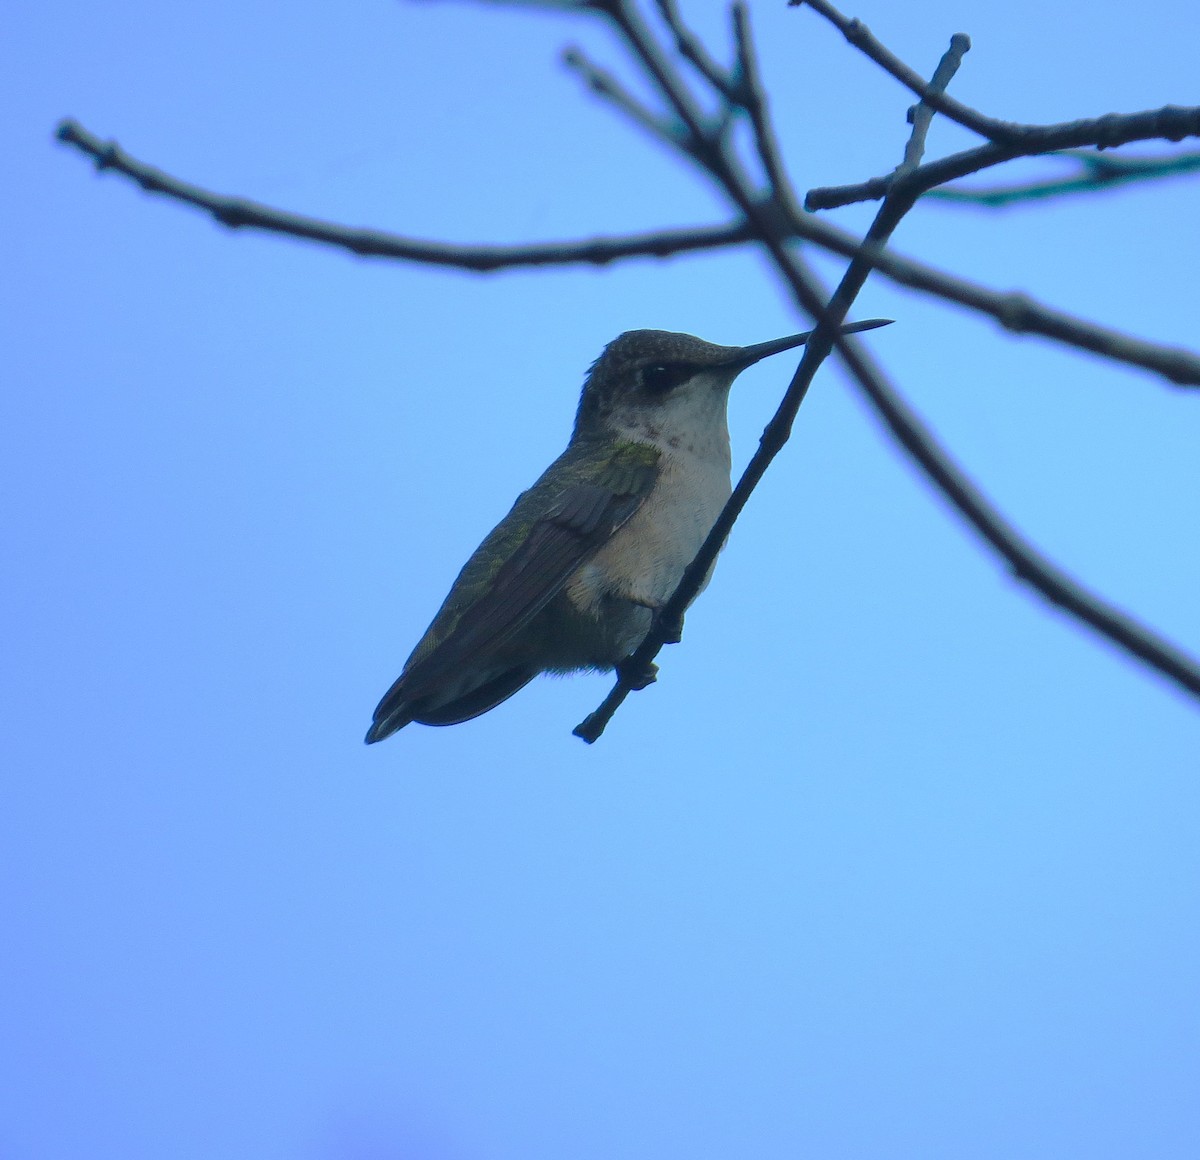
(637, 676)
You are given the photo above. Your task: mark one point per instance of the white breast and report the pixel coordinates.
(645, 559)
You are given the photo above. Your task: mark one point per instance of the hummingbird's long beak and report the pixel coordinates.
(749, 355)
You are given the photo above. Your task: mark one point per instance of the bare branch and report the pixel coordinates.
(1170, 123)
(1021, 314)
(703, 144)
(605, 85)
(1026, 562)
(239, 213)
(921, 114)
(692, 49)
(1016, 312)
(752, 96)
(859, 35)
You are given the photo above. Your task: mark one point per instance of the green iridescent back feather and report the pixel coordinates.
(625, 468)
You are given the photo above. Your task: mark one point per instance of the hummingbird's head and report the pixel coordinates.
(670, 386)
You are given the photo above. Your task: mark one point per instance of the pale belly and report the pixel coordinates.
(644, 560)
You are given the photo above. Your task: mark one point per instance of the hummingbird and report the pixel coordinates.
(573, 577)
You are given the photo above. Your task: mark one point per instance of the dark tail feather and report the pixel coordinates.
(393, 712)
(389, 723)
(396, 709)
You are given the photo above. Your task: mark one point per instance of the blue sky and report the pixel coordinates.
(893, 861)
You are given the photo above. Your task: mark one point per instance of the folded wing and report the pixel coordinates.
(491, 601)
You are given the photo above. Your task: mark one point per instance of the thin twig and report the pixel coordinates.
(692, 49)
(240, 213)
(1097, 172)
(1021, 314)
(605, 85)
(752, 96)
(704, 144)
(922, 112)
(1170, 123)
(859, 35)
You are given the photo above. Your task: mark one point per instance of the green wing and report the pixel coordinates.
(584, 497)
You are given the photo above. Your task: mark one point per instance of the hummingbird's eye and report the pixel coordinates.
(663, 377)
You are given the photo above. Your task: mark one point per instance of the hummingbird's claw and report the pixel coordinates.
(637, 677)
